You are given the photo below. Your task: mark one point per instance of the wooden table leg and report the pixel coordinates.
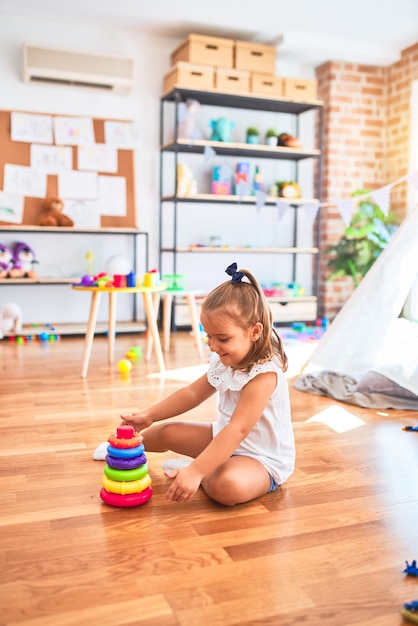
(156, 305)
(88, 343)
(112, 327)
(191, 301)
(150, 311)
(167, 304)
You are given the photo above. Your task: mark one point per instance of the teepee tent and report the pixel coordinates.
(368, 334)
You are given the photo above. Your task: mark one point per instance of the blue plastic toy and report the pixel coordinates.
(221, 129)
(411, 569)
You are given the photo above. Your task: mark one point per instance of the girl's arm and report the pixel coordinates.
(178, 402)
(254, 398)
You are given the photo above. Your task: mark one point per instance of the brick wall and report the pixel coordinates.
(366, 145)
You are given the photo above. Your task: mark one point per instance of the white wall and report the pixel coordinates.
(151, 56)
(152, 61)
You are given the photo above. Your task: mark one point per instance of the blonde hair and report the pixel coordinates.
(245, 304)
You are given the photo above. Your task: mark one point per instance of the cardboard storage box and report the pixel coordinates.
(215, 51)
(300, 88)
(266, 85)
(233, 81)
(189, 75)
(255, 57)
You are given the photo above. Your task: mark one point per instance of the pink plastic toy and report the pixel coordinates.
(124, 489)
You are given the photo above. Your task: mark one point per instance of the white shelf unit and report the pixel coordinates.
(135, 249)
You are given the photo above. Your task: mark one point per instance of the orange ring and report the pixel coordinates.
(118, 442)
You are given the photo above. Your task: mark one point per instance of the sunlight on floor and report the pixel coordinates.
(183, 374)
(298, 354)
(337, 418)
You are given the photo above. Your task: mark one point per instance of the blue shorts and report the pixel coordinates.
(273, 484)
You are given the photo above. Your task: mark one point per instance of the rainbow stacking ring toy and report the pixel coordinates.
(126, 481)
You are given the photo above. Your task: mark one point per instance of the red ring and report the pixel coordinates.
(131, 499)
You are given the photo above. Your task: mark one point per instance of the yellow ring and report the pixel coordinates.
(133, 486)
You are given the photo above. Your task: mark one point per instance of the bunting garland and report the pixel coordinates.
(382, 198)
(311, 211)
(345, 207)
(282, 209)
(260, 199)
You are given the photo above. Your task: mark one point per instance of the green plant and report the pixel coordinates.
(252, 130)
(367, 235)
(271, 132)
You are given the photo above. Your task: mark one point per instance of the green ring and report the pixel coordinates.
(126, 475)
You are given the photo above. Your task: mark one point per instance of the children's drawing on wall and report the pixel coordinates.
(85, 214)
(51, 159)
(112, 195)
(24, 180)
(73, 131)
(78, 185)
(98, 157)
(11, 208)
(31, 128)
(121, 134)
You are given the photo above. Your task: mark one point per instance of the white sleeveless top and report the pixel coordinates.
(271, 441)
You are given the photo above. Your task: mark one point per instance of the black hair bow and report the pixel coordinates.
(231, 270)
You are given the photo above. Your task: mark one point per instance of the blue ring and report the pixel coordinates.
(126, 453)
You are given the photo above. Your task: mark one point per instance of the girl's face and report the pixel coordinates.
(230, 341)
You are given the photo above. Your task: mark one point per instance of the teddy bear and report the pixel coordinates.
(52, 214)
(288, 141)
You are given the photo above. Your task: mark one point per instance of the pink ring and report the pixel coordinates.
(132, 499)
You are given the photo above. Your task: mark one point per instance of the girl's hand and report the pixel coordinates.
(138, 420)
(185, 484)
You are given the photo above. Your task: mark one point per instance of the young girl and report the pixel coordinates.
(250, 450)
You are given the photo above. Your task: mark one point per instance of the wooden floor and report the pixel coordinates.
(326, 549)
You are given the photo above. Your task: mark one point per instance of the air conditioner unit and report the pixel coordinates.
(81, 69)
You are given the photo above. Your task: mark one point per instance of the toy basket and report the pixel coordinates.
(175, 281)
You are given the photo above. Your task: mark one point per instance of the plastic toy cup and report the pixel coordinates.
(131, 280)
(151, 279)
(119, 280)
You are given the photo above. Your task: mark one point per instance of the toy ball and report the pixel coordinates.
(134, 353)
(87, 280)
(119, 265)
(124, 366)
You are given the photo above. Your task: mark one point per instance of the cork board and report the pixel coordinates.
(18, 153)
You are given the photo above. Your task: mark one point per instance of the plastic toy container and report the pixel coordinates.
(175, 281)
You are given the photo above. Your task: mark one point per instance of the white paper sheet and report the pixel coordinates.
(31, 128)
(112, 195)
(78, 185)
(98, 157)
(121, 134)
(21, 180)
(85, 214)
(73, 131)
(51, 159)
(11, 208)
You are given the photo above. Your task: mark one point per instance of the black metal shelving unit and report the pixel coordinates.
(172, 101)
